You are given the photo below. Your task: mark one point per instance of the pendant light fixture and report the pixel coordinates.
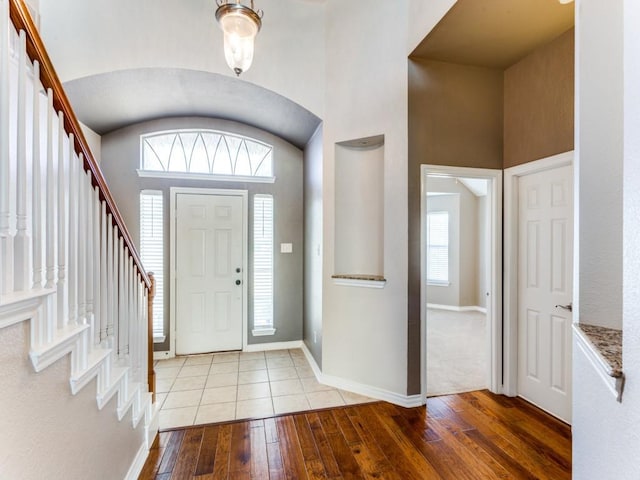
(240, 24)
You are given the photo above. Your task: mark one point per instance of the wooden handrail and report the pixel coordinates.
(22, 20)
(151, 374)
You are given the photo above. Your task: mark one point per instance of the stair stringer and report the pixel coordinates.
(49, 343)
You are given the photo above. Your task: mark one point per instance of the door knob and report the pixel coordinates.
(566, 307)
(238, 282)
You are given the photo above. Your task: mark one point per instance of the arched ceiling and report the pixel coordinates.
(109, 101)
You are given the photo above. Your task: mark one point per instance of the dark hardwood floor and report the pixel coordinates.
(474, 435)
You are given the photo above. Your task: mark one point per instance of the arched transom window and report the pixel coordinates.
(206, 153)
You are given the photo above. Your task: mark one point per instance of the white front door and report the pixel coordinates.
(209, 291)
(545, 286)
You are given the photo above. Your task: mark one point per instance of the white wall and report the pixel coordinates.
(483, 260)
(365, 330)
(423, 16)
(98, 36)
(598, 119)
(49, 433)
(606, 434)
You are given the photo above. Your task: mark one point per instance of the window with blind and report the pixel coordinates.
(438, 248)
(152, 252)
(263, 265)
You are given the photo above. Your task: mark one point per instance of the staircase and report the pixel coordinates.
(68, 266)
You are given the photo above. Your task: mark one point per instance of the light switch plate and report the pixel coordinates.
(286, 248)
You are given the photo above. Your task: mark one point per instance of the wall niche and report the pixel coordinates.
(359, 214)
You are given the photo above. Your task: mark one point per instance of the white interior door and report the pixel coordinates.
(209, 291)
(545, 274)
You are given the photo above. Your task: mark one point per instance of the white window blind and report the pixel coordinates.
(263, 264)
(152, 251)
(438, 247)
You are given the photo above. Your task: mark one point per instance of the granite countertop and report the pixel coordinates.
(608, 344)
(350, 276)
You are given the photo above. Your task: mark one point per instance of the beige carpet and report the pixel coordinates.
(456, 352)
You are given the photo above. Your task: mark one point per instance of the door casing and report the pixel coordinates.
(510, 386)
(173, 193)
(495, 265)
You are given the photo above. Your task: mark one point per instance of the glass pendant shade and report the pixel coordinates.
(240, 25)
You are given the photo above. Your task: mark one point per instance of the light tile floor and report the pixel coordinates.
(219, 387)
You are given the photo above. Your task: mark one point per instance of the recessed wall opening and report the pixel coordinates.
(359, 227)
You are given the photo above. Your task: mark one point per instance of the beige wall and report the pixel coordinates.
(538, 103)
(455, 118)
(468, 116)
(46, 432)
(455, 115)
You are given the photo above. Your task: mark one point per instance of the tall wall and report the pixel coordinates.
(312, 318)
(599, 142)
(455, 118)
(49, 433)
(539, 103)
(608, 141)
(121, 158)
(365, 329)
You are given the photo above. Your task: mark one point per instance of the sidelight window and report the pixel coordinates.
(263, 265)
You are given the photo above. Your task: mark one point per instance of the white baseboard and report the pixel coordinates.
(265, 347)
(407, 401)
(255, 347)
(138, 463)
(151, 422)
(454, 308)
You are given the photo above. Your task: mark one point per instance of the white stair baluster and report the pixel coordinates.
(22, 248)
(62, 226)
(36, 207)
(115, 290)
(132, 312)
(122, 313)
(74, 202)
(110, 281)
(82, 244)
(131, 318)
(124, 331)
(104, 273)
(6, 241)
(96, 259)
(135, 324)
(88, 254)
(49, 237)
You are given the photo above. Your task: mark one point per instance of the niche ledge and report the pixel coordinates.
(603, 348)
(355, 280)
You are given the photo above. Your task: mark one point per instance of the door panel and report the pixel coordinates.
(545, 269)
(209, 293)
